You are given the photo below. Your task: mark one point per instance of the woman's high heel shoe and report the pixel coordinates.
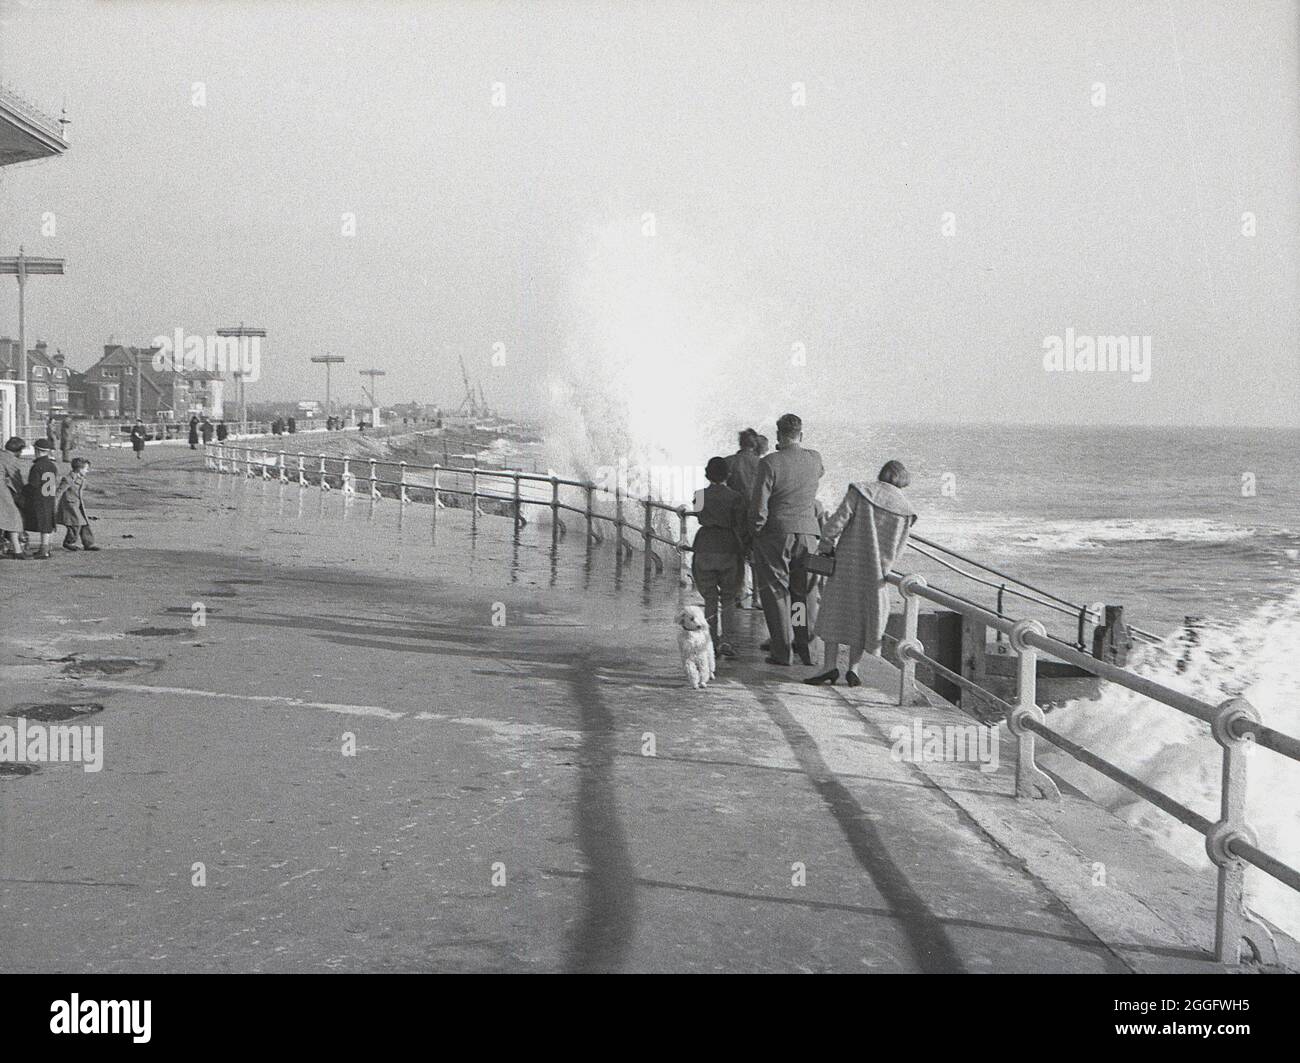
(853, 679)
(825, 677)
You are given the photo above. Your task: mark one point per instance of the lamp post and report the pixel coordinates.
(243, 332)
(328, 360)
(23, 266)
(372, 373)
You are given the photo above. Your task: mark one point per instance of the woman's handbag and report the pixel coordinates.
(820, 564)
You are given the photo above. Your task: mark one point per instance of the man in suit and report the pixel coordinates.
(784, 518)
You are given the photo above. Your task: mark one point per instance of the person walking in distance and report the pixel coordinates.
(137, 439)
(67, 440)
(783, 517)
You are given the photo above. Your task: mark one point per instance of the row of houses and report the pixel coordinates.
(107, 390)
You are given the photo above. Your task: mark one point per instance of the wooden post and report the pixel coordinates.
(1111, 642)
(588, 488)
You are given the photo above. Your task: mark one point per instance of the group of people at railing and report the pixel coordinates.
(818, 574)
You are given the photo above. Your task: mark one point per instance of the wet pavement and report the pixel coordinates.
(340, 736)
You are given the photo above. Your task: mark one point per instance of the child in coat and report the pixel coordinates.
(70, 509)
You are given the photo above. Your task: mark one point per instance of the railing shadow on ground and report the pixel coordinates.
(1235, 725)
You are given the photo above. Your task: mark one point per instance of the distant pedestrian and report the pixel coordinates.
(67, 439)
(222, 431)
(70, 509)
(41, 490)
(137, 439)
(206, 429)
(12, 490)
(194, 433)
(293, 425)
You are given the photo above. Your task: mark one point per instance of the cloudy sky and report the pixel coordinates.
(878, 209)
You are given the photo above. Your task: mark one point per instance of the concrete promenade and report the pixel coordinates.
(500, 813)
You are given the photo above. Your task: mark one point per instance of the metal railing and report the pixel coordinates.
(1235, 725)
(514, 488)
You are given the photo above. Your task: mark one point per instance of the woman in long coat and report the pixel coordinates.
(194, 433)
(42, 489)
(866, 534)
(12, 489)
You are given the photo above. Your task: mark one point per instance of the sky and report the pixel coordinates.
(876, 210)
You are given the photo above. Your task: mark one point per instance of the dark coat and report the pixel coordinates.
(222, 432)
(42, 489)
(194, 429)
(207, 431)
(137, 438)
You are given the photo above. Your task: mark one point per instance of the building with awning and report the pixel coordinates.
(25, 133)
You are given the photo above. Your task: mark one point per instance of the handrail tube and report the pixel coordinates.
(1267, 737)
(948, 601)
(1266, 862)
(960, 680)
(1115, 674)
(1179, 811)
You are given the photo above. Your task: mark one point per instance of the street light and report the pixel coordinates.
(328, 360)
(242, 331)
(372, 373)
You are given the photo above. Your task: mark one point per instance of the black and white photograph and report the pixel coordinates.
(676, 487)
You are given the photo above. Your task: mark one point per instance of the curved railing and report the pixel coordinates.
(1234, 724)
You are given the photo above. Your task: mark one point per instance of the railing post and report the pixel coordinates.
(374, 484)
(284, 472)
(473, 489)
(1234, 925)
(647, 537)
(302, 470)
(436, 470)
(588, 489)
(518, 514)
(1031, 781)
(909, 645)
(324, 480)
(402, 480)
(684, 573)
(555, 509)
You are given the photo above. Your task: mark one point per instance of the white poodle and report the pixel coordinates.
(696, 646)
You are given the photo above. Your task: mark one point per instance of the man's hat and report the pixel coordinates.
(15, 444)
(43, 444)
